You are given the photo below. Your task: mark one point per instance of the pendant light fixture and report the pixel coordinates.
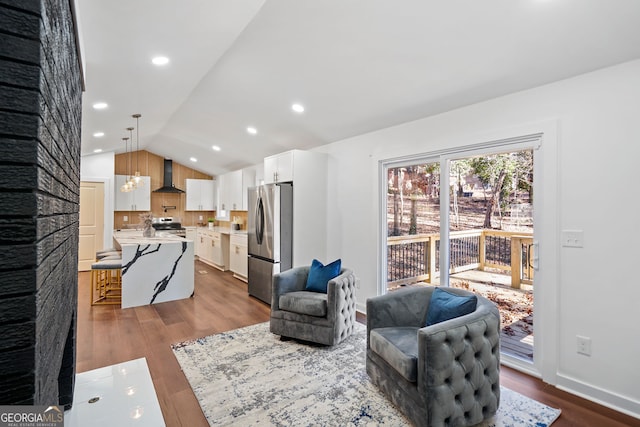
(126, 187)
(132, 182)
(136, 178)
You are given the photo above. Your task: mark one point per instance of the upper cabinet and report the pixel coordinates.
(138, 199)
(201, 195)
(225, 185)
(279, 168)
(259, 170)
(232, 191)
(248, 181)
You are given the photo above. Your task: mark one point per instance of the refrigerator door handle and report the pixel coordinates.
(259, 221)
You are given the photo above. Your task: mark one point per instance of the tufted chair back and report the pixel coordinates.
(311, 316)
(456, 362)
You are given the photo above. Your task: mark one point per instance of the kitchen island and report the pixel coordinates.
(154, 269)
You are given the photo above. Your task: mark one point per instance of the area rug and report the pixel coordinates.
(249, 377)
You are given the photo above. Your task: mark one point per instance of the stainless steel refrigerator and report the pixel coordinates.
(270, 229)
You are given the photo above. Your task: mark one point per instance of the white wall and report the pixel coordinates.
(100, 168)
(598, 138)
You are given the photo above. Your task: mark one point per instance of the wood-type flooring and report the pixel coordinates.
(108, 335)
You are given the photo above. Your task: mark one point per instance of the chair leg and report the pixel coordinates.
(93, 285)
(97, 286)
(113, 291)
(106, 287)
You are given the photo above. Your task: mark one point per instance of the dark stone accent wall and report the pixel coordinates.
(40, 119)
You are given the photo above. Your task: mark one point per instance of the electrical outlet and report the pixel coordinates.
(584, 345)
(572, 238)
(125, 218)
(200, 218)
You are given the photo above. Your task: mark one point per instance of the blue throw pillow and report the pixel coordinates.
(446, 305)
(319, 275)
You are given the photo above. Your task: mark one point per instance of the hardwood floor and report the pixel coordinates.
(108, 335)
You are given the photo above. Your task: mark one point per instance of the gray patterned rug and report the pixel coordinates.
(249, 377)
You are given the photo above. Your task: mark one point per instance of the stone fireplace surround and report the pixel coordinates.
(40, 120)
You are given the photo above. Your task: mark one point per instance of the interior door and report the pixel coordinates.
(91, 228)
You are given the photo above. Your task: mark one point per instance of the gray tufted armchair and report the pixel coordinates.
(446, 374)
(311, 316)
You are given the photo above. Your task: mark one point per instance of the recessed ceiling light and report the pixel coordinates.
(193, 159)
(98, 150)
(298, 108)
(98, 134)
(160, 60)
(100, 105)
(252, 130)
(215, 148)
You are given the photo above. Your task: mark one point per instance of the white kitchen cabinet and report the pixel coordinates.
(213, 248)
(232, 191)
(220, 250)
(238, 256)
(259, 174)
(201, 195)
(203, 247)
(248, 181)
(222, 212)
(138, 199)
(192, 234)
(279, 168)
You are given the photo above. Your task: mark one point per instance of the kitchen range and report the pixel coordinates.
(169, 225)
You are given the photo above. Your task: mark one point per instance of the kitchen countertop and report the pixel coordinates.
(134, 237)
(223, 230)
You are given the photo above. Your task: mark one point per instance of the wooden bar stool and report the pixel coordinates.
(106, 281)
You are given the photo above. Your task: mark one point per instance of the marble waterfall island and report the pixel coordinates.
(155, 269)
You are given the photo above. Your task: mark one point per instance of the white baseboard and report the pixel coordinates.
(602, 397)
(519, 365)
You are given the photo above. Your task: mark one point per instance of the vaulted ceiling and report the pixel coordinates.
(355, 65)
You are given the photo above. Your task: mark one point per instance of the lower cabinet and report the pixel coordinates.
(238, 256)
(213, 248)
(192, 234)
(203, 247)
(220, 251)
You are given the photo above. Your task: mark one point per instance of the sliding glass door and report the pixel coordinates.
(465, 219)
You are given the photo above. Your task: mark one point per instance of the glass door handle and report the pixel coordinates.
(536, 258)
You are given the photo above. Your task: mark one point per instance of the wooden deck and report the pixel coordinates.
(515, 340)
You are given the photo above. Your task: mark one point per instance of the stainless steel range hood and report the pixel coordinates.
(168, 186)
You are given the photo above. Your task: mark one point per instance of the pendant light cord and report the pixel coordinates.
(130, 129)
(137, 117)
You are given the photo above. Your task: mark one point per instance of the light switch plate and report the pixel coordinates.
(125, 218)
(572, 238)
